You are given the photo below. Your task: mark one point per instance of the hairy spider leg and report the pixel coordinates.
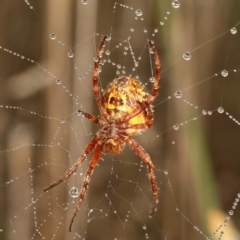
(142, 126)
(91, 117)
(74, 168)
(157, 74)
(139, 150)
(155, 87)
(92, 164)
(96, 88)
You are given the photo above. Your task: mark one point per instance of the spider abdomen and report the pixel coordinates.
(123, 96)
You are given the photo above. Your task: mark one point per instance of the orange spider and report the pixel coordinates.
(125, 109)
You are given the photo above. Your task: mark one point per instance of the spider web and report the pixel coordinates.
(47, 52)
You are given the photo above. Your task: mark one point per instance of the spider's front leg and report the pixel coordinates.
(157, 74)
(155, 87)
(96, 88)
(138, 149)
(92, 164)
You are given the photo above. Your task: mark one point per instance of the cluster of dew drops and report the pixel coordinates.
(219, 230)
(178, 95)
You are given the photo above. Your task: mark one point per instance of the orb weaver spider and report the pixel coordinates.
(125, 108)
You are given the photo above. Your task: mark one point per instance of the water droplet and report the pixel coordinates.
(58, 81)
(161, 23)
(132, 29)
(151, 51)
(62, 120)
(53, 36)
(136, 64)
(108, 38)
(176, 127)
(74, 192)
(138, 12)
(95, 59)
(187, 56)
(220, 110)
(144, 227)
(178, 94)
(231, 212)
(224, 73)
(156, 30)
(84, 2)
(204, 112)
(209, 112)
(175, 4)
(107, 52)
(233, 30)
(70, 54)
(152, 79)
(119, 66)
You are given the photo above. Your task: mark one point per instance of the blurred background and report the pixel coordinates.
(197, 166)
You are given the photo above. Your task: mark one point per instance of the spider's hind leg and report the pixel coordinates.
(92, 164)
(138, 149)
(74, 168)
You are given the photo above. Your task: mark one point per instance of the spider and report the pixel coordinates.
(125, 109)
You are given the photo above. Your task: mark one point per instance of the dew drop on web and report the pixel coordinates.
(187, 56)
(230, 212)
(204, 112)
(233, 30)
(95, 59)
(53, 36)
(152, 79)
(138, 12)
(175, 126)
(178, 94)
(74, 192)
(70, 54)
(175, 4)
(107, 52)
(224, 73)
(209, 112)
(58, 81)
(220, 110)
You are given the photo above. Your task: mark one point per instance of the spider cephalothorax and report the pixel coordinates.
(125, 110)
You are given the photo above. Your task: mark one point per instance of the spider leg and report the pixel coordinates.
(96, 88)
(74, 168)
(157, 74)
(92, 164)
(91, 117)
(135, 126)
(154, 94)
(138, 149)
